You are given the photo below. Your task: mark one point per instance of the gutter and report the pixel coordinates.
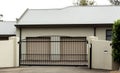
(64, 25)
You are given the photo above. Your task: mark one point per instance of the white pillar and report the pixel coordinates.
(90, 38)
(55, 48)
(15, 50)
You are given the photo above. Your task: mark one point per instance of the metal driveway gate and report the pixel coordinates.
(44, 51)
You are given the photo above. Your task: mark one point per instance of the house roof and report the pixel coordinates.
(71, 15)
(7, 28)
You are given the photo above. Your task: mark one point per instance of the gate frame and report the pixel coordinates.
(20, 39)
(90, 56)
(20, 46)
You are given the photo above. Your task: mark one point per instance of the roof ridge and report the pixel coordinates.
(18, 19)
(76, 6)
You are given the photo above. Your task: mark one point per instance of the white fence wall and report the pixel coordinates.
(9, 53)
(101, 53)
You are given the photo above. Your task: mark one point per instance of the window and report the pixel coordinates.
(109, 34)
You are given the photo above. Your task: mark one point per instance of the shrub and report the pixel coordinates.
(116, 41)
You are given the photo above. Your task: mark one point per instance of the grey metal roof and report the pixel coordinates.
(71, 15)
(7, 28)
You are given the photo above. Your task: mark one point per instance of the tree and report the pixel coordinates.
(115, 2)
(116, 41)
(86, 2)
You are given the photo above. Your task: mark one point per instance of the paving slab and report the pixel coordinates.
(115, 72)
(51, 69)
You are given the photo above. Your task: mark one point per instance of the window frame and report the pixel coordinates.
(108, 35)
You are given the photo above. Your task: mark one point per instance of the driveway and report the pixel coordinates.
(51, 69)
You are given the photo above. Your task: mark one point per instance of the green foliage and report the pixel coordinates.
(86, 3)
(116, 41)
(91, 2)
(115, 2)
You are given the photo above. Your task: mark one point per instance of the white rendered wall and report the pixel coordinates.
(55, 48)
(9, 53)
(100, 58)
(101, 54)
(72, 31)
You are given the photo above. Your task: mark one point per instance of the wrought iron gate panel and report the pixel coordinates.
(43, 51)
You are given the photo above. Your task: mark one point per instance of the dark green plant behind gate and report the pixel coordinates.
(116, 41)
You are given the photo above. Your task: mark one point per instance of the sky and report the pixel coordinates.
(12, 9)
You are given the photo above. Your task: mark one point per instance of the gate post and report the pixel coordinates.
(20, 45)
(90, 46)
(90, 56)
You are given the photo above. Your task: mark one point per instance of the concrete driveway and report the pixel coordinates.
(51, 69)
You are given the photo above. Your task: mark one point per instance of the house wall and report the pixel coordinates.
(68, 31)
(34, 32)
(101, 32)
